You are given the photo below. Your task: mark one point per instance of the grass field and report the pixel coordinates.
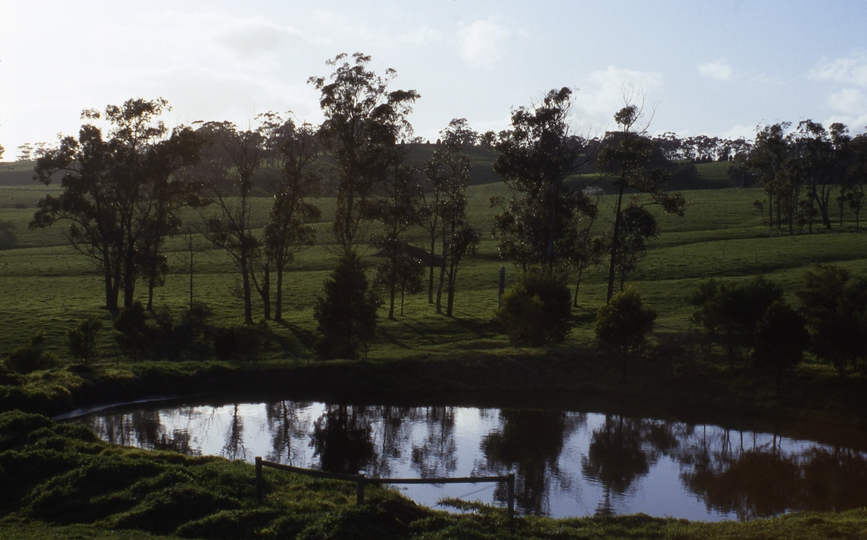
(46, 285)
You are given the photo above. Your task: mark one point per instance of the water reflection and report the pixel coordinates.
(566, 463)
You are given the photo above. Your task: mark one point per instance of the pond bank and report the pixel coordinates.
(813, 399)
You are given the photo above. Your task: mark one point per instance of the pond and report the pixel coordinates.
(566, 463)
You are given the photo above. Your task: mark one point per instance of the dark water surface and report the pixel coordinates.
(566, 463)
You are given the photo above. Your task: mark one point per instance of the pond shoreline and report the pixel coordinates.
(549, 379)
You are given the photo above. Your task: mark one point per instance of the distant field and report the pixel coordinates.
(45, 284)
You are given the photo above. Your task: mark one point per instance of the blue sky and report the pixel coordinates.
(716, 68)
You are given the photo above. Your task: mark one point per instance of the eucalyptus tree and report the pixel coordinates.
(364, 122)
(446, 171)
(290, 225)
(398, 208)
(626, 159)
(229, 161)
(120, 194)
(540, 224)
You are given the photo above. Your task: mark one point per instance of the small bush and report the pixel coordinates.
(624, 323)
(81, 340)
(31, 357)
(537, 309)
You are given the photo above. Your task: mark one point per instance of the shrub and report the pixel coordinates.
(31, 357)
(537, 309)
(624, 323)
(81, 340)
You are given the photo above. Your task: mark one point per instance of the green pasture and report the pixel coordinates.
(46, 285)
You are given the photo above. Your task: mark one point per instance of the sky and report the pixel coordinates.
(716, 68)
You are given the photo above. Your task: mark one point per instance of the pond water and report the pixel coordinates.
(566, 463)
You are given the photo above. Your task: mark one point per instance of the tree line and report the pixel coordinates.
(124, 190)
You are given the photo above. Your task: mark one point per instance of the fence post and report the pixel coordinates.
(359, 494)
(260, 485)
(511, 483)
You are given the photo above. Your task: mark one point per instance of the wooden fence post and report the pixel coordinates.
(359, 494)
(260, 484)
(511, 513)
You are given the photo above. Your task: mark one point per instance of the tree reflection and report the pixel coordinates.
(435, 456)
(530, 442)
(763, 480)
(234, 447)
(284, 425)
(342, 439)
(616, 457)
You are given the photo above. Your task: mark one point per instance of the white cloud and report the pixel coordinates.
(849, 101)
(481, 44)
(606, 92)
(421, 36)
(716, 70)
(255, 36)
(851, 69)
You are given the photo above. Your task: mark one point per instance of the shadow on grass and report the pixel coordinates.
(303, 343)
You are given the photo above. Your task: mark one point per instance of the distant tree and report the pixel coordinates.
(623, 324)
(781, 339)
(731, 312)
(397, 209)
(769, 152)
(346, 314)
(81, 340)
(2, 151)
(540, 224)
(856, 177)
(447, 171)
(121, 195)
(536, 310)
(290, 226)
(627, 159)
(364, 122)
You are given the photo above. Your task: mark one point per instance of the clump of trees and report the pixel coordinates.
(121, 196)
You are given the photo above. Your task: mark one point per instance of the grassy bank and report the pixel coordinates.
(61, 481)
(814, 403)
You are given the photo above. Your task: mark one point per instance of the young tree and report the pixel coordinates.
(81, 340)
(445, 214)
(364, 122)
(540, 224)
(346, 314)
(627, 159)
(397, 209)
(447, 169)
(636, 228)
(289, 229)
(121, 195)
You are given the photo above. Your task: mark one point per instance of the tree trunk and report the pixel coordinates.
(577, 284)
(278, 299)
(614, 240)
